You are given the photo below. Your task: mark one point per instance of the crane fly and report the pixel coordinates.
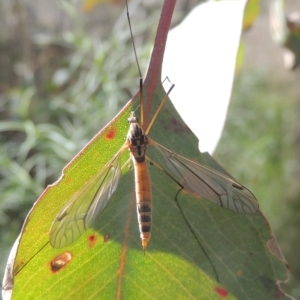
(86, 205)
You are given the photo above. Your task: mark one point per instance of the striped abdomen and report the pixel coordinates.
(143, 200)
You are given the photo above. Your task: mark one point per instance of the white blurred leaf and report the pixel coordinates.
(200, 60)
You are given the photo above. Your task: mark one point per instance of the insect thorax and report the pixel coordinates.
(137, 140)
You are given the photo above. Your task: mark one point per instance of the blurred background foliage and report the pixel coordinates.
(67, 67)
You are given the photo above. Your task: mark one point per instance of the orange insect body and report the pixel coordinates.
(137, 144)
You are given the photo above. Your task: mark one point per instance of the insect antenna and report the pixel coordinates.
(138, 65)
(141, 81)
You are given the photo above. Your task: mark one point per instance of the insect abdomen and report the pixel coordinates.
(143, 201)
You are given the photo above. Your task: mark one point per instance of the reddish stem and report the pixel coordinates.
(153, 77)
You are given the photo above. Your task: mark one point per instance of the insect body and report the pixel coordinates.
(137, 144)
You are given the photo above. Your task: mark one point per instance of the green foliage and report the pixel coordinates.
(50, 113)
(259, 129)
(47, 116)
(197, 249)
(258, 147)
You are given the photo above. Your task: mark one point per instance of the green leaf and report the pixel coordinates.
(252, 10)
(197, 249)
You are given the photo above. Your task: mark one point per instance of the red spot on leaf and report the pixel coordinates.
(111, 134)
(106, 237)
(60, 261)
(221, 291)
(92, 239)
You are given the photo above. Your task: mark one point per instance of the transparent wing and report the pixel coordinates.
(85, 205)
(208, 183)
